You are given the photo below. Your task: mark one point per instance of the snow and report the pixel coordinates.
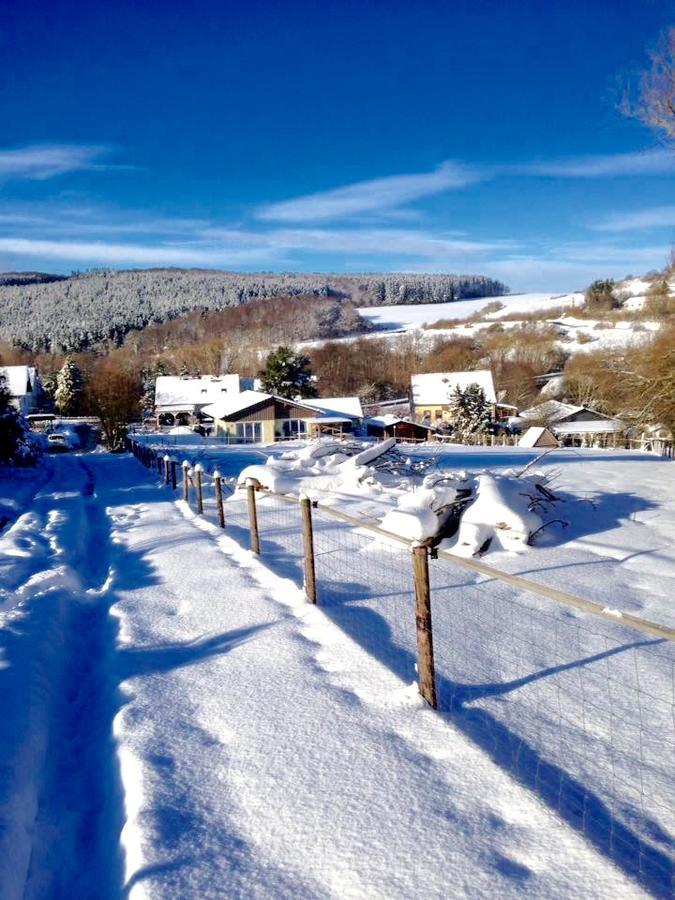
(435, 388)
(163, 685)
(405, 318)
(230, 406)
(174, 391)
(18, 379)
(537, 437)
(342, 406)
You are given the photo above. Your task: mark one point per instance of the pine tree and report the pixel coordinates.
(68, 394)
(470, 411)
(149, 377)
(17, 445)
(287, 374)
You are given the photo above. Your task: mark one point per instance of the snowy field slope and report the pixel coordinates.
(267, 748)
(404, 318)
(576, 335)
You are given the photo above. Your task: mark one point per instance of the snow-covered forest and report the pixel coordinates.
(88, 309)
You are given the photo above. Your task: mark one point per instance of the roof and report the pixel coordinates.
(537, 437)
(553, 410)
(388, 420)
(174, 391)
(343, 406)
(20, 379)
(230, 406)
(595, 426)
(435, 389)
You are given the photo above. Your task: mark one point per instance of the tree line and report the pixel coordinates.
(88, 311)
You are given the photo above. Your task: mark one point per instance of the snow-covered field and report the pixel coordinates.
(576, 335)
(160, 682)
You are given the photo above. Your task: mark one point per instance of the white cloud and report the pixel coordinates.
(658, 161)
(370, 196)
(37, 162)
(656, 217)
(100, 253)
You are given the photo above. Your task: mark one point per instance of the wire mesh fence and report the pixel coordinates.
(580, 709)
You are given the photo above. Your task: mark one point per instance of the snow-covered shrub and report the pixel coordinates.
(18, 446)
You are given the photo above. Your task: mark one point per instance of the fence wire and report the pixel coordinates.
(581, 711)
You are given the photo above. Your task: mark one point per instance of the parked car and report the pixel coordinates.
(58, 443)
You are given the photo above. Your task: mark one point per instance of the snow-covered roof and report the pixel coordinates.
(595, 426)
(537, 437)
(230, 406)
(174, 391)
(436, 388)
(345, 406)
(388, 420)
(20, 379)
(552, 410)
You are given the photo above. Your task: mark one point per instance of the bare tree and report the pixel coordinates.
(654, 102)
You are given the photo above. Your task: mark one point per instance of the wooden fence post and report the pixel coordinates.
(425, 644)
(200, 493)
(173, 474)
(253, 517)
(308, 544)
(167, 461)
(186, 469)
(219, 498)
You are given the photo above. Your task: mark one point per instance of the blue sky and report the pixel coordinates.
(381, 136)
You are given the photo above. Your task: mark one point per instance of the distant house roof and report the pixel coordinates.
(551, 410)
(20, 379)
(556, 413)
(590, 426)
(436, 388)
(175, 392)
(388, 420)
(342, 406)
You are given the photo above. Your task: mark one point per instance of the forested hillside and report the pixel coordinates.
(87, 310)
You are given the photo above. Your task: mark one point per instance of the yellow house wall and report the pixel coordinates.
(230, 429)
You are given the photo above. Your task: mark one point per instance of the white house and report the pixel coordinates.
(430, 394)
(179, 400)
(24, 386)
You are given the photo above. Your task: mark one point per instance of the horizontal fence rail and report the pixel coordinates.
(573, 698)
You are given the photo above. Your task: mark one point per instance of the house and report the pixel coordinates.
(253, 416)
(576, 425)
(337, 415)
(388, 426)
(25, 387)
(430, 395)
(180, 400)
(538, 436)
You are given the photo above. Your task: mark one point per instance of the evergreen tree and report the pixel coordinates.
(68, 394)
(287, 374)
(17, 445)
(149, 377)
(470, 411)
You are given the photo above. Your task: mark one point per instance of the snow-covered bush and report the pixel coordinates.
(18, 446)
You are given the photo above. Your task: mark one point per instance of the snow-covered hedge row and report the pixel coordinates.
(477, 510)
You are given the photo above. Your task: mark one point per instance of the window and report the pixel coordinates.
(250, 432)
(294, 428)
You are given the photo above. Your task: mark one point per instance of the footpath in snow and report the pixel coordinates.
(164, 686)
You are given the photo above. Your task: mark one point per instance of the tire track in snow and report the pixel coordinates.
(75, 837)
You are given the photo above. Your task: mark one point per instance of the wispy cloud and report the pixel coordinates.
(640, 219)
(650, 162)
(38, 162)
(370, 196)
(104, 253)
